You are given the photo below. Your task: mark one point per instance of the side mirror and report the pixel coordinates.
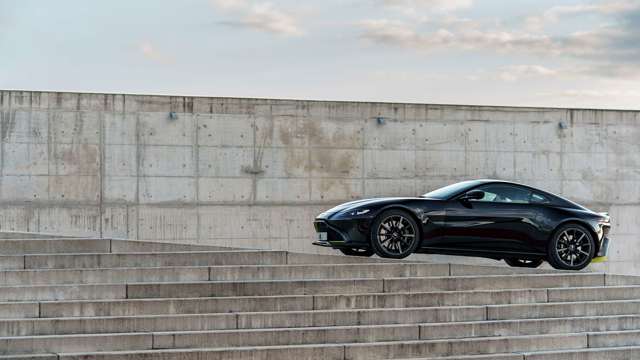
(473, 195)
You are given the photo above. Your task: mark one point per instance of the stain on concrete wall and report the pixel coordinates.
(254, 172)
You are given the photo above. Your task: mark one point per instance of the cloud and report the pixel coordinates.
(389, 32)
(441, 11)
(229, 4)
(557, 13)
(612, 41)
(440, 6)
(583, 93)
(627, 71)
(609, 50)
(397, 33)
(517, 72)
(149, 51)
(601, 70)
(605, 8)
(258, 15)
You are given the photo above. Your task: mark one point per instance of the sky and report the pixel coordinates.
(572, 53)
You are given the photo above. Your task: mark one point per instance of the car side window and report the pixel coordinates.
(539, 199)
(501, 193)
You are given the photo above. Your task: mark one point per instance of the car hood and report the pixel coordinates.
(362, 203)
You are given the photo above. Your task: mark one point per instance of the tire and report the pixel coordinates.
(357, 252)
(403, 234)
(571, 248)
(525, 263)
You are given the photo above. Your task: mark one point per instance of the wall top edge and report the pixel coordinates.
(122, 98)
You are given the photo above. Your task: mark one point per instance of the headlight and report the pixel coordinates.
(358, 212)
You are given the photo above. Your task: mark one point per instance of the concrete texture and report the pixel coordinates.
(30, 246)
(153, 259)
(253, 173)
(138, 300)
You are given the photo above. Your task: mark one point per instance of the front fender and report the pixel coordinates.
(418, 214)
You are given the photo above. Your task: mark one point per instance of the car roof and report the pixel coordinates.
(479, 182)
(496, 181)
(557, 199)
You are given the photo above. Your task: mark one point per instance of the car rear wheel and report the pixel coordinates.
(571, 248)
(394, 234)
(358, 252)
(524, 262)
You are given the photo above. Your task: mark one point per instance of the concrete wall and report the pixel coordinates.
(251, 172)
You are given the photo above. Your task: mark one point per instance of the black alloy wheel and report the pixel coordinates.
(571, 248)
(357, 252)
(394, 234)
(526, 263)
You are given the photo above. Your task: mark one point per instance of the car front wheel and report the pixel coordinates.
(394, 234)
(571, 248)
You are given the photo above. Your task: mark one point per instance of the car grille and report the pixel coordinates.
(321, 226)
(332, 233)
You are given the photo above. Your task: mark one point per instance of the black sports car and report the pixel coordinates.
(487, 218)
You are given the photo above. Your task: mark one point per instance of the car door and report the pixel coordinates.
(432, 219)
(503, 220)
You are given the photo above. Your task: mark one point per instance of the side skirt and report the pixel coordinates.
(496, 255)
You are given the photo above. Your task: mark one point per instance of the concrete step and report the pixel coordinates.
(376, 350)
(119, 307)
(103, 276)
(594, 293)
(95, 245)
(157, 256)
(612, 353)
(128, 246)
(11, 262)
(30, 293)
(615, 338)
(287, 287)
(124, 324)
(464, 270)
(220, 330)
(19, 310)
(251, 288)
(565, 309)
(254, 320)
(475, 357)
(608, 353)
(327, 271)
(492, 312)
(282, 319)
(126, 299)
(30, 357)
(46, 246)
(493, 282)
(231, 273)
(357, 270)
(218, 273)
(303, 259)
(157, 259)
(350, 286)
(75, 343)
(131, 307)
(602, 335)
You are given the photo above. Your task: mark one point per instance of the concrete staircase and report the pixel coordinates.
(106, 299)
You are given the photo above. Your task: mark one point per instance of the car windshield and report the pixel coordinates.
(448, 191)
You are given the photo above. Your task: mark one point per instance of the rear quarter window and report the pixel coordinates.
(539, 199)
